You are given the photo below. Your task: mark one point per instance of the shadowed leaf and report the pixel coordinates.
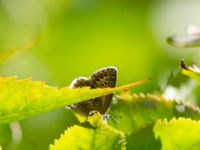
(137, 111)
(143, 139)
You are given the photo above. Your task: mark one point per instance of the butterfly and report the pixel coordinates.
(102, 78)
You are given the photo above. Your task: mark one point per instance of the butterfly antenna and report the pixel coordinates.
(108, 116)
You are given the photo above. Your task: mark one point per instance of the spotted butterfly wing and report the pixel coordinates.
(105, 77)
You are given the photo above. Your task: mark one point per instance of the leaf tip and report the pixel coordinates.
(183, 65)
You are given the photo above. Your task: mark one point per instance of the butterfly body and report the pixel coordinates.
(105, 77)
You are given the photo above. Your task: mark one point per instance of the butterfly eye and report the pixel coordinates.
(97, 103)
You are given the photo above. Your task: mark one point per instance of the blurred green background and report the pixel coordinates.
(81, 36)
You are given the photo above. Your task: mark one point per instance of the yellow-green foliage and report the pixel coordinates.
(193, 72)
(138, 110)
(178, 134)
(20, 99)
(96, 134)
(138, 113)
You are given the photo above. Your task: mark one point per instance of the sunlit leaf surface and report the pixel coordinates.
(95, 135)
(20, 99)
(177, 134)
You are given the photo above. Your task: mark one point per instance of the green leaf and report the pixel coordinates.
(97, 135)
(21, 99)
(178, 134)
(193, 72)
(136, 111)
(143, 139)
(11, 52)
